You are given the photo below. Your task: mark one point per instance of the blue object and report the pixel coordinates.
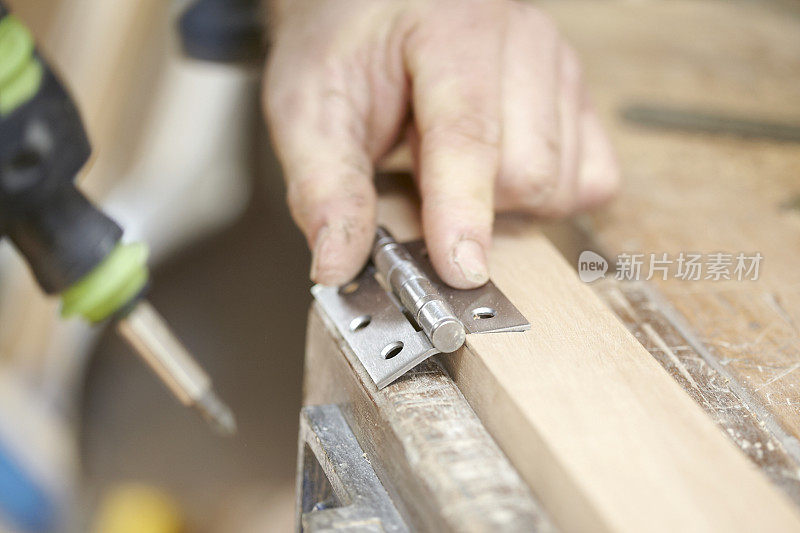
(23, 504)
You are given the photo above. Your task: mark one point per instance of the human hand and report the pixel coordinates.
(500, 121)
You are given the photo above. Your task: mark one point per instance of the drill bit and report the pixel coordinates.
(145, 330)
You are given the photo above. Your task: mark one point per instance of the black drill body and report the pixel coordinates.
(43, 146)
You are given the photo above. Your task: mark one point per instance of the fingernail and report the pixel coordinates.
(470, 258)
(322, 236)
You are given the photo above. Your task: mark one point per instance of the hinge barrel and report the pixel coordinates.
(417, 293)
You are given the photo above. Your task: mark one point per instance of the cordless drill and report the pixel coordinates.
(73, 248)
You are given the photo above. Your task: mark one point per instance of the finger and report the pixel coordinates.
(599, 176)
(570, 103)
(318, 136)
(456, 97)
(529, 161)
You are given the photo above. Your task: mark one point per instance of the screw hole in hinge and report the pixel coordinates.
(360, 322)
(392, 349)
(482, 313)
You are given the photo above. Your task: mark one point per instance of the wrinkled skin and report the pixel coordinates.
(500, 122)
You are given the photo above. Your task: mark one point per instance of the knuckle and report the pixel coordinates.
(278, 79)
(531, 186)
(464, 131)
(466, 209)
(530, 179)
(298, 197)
(360, 199)
(280, 105)
(605, 189)
(310, 195)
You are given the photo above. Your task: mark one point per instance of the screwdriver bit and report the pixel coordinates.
(145, 330)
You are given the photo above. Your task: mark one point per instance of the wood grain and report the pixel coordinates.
(603, 434)
(747, 423)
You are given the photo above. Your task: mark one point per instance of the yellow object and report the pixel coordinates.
(138, 508)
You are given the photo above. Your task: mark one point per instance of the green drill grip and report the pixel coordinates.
(111, 286)
(21, 73)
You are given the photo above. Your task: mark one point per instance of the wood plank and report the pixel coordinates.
(602, 434)
(427, 446)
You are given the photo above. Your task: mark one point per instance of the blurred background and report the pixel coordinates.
(238, 299)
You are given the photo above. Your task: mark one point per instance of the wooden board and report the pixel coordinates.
(602, 434)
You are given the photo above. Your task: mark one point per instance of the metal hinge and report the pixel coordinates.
(397, 312)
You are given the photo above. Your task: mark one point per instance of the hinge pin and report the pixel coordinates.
(417, 293)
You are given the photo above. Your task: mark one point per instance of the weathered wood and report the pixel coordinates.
(429, 449)
(696, 193)
(602, 434)
(337, 489)
(708, 382)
